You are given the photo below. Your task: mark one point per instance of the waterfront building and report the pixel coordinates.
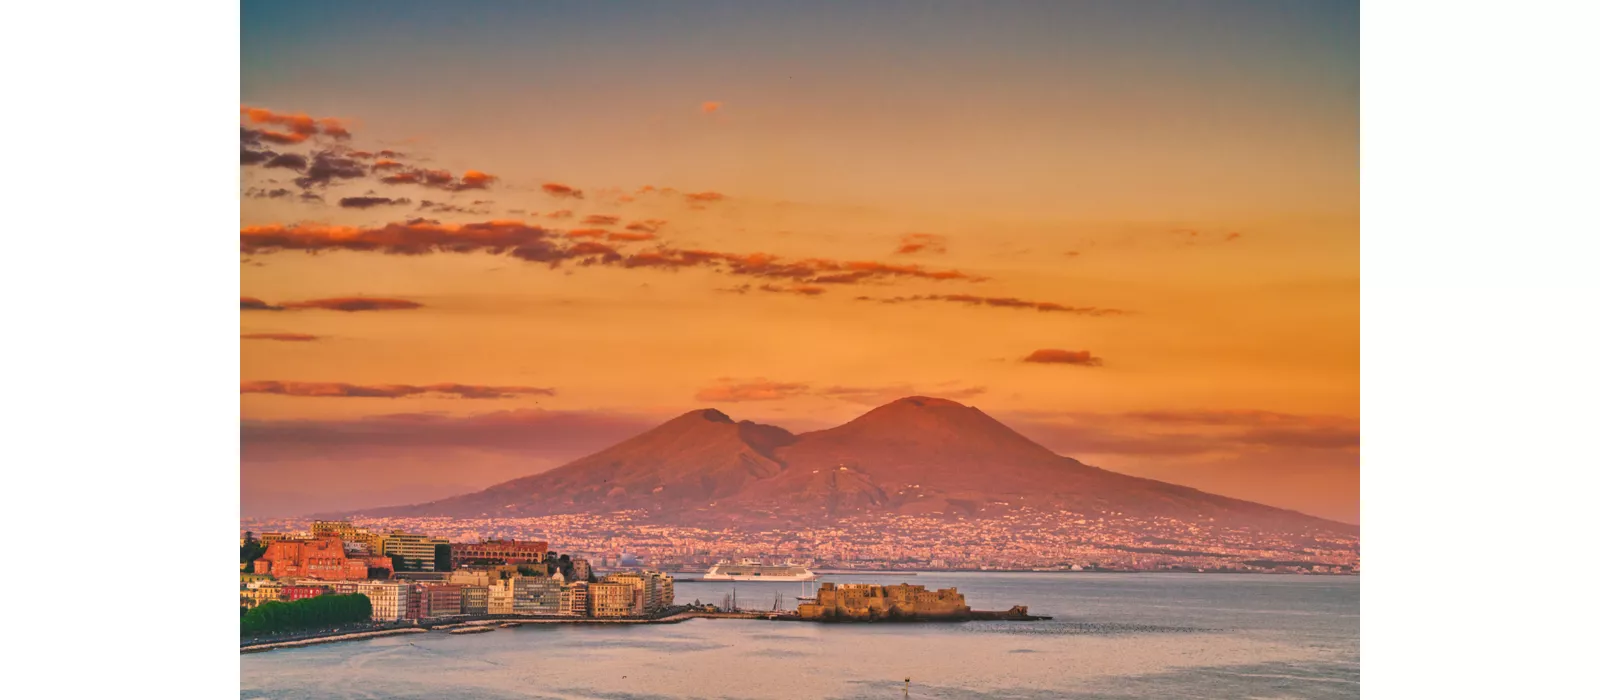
(391, 600)
(441, 600)
(498, 552)
(474, 600)
(502, 598)
(864, 601)
(535, 595)
(581, 570)
(575, 599)
(615, 599)
(653, 589)
(416, 551)
(321, 558)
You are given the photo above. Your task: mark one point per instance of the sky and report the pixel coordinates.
(479, 240)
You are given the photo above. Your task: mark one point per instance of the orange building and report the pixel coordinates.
(498, 552)
(320, 558)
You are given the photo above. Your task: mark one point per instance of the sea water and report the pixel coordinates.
(1112, 636)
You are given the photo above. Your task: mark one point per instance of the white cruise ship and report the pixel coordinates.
(750, 570)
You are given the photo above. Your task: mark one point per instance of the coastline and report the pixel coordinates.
(672, 619)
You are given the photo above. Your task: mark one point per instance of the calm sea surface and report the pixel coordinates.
(1113, 636)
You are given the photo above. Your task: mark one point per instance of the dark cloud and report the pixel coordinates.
(537, 244)
(353, 304)
(1081, 358)
(369, 202)
(332, 304)
(254, 304)
(327, 166)
(263, 193)
(921, 242)
(292, 161)
(448, 208)
(1000, 302)
(249, 157)
(284, 337)
(389, 391)
(646, 226)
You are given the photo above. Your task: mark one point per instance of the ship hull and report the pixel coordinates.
(752, 577)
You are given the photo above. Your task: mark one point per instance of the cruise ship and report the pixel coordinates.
(750, 570)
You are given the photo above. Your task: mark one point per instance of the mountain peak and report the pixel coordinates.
(713, 415)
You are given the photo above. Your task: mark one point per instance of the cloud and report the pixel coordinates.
(600, 220)
(919, 242)
(370, 202)
(387, 164)
(1187, 432)
(388, 391)
(292, 161)
(1000, 302)
(327, 166)
(1081, 358)
(285, 337)
(249, 157)
(1230, 237)
(556, 189)
(331, 304)
(704, 197)
(710, 107)
(728, 391)
(571, 433)
(436, 179)
(646, 226)
(447, 208)
(587, 233)
(262, 193)
(537, 244)
(879, 395)
(299, 126)
(630, 237)
(808, 270)
(254, 304)
(559, 214)
(353, 304)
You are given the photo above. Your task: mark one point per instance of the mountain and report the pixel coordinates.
(914, 456)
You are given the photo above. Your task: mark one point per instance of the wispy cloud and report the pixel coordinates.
(389, 391)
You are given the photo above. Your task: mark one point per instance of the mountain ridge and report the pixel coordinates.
(914, 456)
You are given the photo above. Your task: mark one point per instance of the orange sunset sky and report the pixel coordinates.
(478, 242)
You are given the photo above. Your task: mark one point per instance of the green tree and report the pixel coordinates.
(273, 617)
(441, 557)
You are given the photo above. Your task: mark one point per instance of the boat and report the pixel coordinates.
(751, 570)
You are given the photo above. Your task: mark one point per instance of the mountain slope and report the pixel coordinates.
(914, 456)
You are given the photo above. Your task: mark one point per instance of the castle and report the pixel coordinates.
(865, 601)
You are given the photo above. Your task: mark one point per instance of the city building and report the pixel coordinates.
(581, 570)
(614, 599)
(293, 593)
(502, 598)
(535, 595)
(653, 589)
(498, 552)
(441, 600)
(416, 552)
(320, 558)
(575, 599)
(474, 600)
(865, 601)
(391, 600)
